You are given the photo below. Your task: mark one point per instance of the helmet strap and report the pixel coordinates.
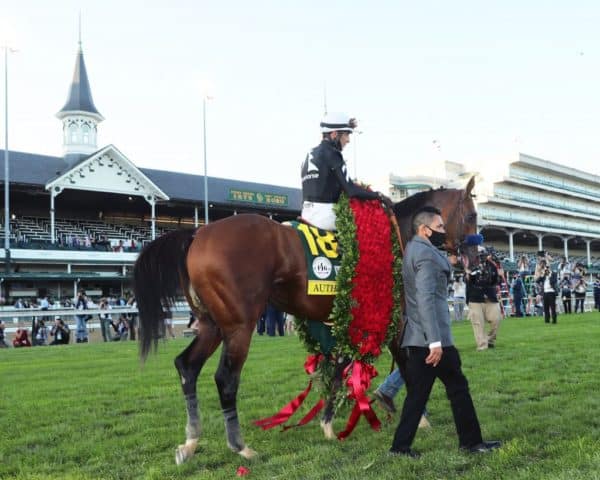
(335, 141)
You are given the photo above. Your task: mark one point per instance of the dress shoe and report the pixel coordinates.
(482, 447)
(405, 452)
(386, 402)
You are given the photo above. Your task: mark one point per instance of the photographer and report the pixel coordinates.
(482, 299)
(548, 282)
(60, 331)
(105, 320)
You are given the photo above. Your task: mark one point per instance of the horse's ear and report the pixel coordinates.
(469, 187)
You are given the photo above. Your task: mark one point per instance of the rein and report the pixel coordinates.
(456, 250)
(396, 229)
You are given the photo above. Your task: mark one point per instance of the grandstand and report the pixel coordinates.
(78, 221)
(540, 205)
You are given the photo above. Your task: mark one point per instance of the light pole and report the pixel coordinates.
(6, 170)
(204, 98)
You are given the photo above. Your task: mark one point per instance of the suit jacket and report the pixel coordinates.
(553, 282)
(426, 272)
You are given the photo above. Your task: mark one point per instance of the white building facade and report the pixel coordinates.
(544, 205)
(539, 205)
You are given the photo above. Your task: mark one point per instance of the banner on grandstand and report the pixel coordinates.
(258, 198)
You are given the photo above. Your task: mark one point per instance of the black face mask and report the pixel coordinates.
(437, 239)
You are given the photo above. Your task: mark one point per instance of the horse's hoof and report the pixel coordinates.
(186, 451)
(328, 430)
(180, 455)
(247, 453)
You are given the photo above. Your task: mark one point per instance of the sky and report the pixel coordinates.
(466, 81)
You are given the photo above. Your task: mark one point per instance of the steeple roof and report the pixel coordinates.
(80, 95)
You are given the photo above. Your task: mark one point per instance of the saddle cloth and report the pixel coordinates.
(322, 258)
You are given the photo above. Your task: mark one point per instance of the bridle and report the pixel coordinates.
(460, 240)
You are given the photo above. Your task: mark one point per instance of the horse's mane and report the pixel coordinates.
(410, 205)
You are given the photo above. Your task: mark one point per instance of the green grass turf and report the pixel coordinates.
(91, 412)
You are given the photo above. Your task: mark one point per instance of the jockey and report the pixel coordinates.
(324, 174)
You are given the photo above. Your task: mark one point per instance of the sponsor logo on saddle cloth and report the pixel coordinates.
(322, 258)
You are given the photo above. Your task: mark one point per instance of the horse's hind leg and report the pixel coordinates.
(188, 364)
(227, 378)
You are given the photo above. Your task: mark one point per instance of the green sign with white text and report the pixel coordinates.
(258, 198)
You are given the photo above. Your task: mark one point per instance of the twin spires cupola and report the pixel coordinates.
(79, 116)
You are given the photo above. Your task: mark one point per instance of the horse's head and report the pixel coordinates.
(459, 214)
(460, 217)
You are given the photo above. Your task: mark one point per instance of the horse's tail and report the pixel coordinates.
(159, 271)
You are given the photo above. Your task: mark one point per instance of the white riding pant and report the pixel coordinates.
(321, 215)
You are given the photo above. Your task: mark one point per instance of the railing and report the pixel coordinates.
(21, 315)
(522, 198)
(544, 223)
(556, 184)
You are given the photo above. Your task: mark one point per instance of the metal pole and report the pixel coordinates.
(6, 173)
(205, 169)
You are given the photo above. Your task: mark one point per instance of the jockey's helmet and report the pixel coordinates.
(337, 122)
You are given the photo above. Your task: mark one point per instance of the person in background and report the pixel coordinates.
(566, 293)
(132, 317)
(121, 328)
(549, 286)
(290, 326)
(523, 266)
(261, 324)
(169, 324)
(597, 292)
(21, 338)
(386, 392)
(105, 320)
(482, 299)
(39, 332)
(459, 288)
(81, 319)
(580, 289)
(564, 268)
(3, 343)
(519, 293)
(275, 321)
(60, 331)
(544, 259)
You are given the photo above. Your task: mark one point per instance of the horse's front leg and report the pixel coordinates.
(329, 412)
(227, 378)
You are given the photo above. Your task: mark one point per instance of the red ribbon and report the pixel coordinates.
(312, 361)
(358, 383)
(309, 416)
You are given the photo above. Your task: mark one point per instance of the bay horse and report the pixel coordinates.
(229, 270)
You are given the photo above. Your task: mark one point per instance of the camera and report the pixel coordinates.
(484, 276)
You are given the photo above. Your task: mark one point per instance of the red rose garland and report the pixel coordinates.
(366, 310)
(373, 282)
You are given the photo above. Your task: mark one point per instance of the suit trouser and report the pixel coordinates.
(479, 313)
(419, 381)
(550, 307)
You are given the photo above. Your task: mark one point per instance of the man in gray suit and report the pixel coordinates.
(427, 341)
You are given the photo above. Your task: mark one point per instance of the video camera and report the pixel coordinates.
(486, 273)
(489, 252)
